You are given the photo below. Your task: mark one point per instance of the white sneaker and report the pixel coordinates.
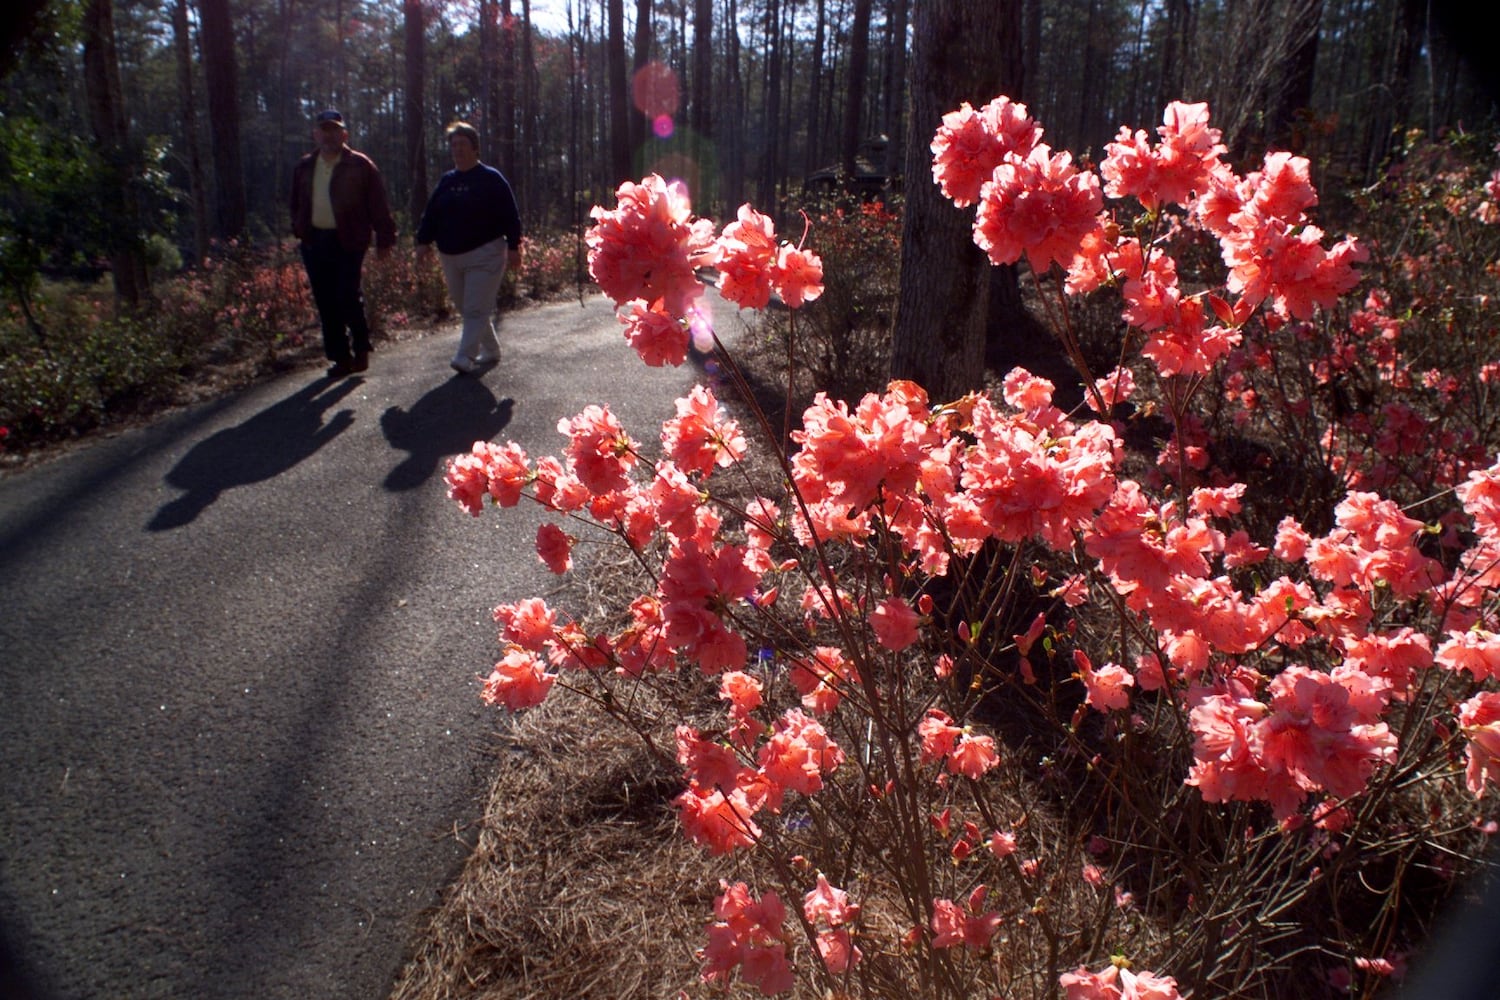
(487, 359)
(462, 365)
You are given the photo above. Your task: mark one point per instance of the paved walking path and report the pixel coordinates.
(241, 745)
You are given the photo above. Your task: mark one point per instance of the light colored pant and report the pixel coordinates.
(473, 283)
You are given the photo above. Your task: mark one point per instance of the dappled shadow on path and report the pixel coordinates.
(266, 445)
(444, 422)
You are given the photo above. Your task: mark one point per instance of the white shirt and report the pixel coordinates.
(322, 205)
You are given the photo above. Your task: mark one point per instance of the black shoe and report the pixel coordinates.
(339, 369)
(361, 361)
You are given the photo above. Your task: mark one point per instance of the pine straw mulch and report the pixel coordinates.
(579, 884)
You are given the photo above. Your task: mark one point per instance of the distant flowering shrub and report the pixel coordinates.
(840, 342)
(999, 698)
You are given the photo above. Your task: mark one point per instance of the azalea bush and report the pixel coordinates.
(553, 264)
(400, 290)
(61, 385)
(971, 698)
(842, 339)
(69, 362)
(259, 296)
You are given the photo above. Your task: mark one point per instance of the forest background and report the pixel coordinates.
(150, 141)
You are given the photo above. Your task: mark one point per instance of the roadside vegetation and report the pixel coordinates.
(73, 361)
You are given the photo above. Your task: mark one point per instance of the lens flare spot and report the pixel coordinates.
(701, 326)
(663, 127)
(654, 91)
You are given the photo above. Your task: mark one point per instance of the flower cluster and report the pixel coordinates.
(748, 935)
(645, 254)
(1038, 204)
(1117, 983)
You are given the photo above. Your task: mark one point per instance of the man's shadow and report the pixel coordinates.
(444, 422)
(266, 445)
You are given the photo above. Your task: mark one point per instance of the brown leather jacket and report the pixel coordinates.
(359, 201)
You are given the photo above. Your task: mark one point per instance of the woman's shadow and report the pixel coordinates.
(444, 422)
(264, 446)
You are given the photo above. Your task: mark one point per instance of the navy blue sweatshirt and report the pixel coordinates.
(468, 209)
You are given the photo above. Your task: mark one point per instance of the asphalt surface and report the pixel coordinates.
(241, 748)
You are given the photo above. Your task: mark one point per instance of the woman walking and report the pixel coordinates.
(473, 219)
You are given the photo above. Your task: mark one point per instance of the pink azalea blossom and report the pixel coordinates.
(658, 336)
(649, 246)
(721, 823)
(554, 547)
(797, 755)
(828, 905)
(528, 623)
(506, 469)
(1115, 983)
(970, 144)
(895, 623)
(1040, 206)
(702, 436)
(837, 949)
(519, 681)
(1106, 686)
(696, 583)
(467, 482)
(797, 276)
(747, 252)
(709, 763)
(1002, 843)
(1479, 718)
(973, 755)
(938, 734)
(1112, 390)
(1475, 650)
(820, 677)
(600, 453)
(1184, 164)
(741, 690)
(748, 935)
(970, 926)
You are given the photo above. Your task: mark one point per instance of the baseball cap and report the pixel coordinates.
(331, 116)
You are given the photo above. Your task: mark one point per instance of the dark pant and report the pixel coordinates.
(334, 274)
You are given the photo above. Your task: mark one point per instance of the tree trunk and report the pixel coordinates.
(701, 112)
(620, 165)
(575, 123)
(489, 110)
(859, 65)
(506, 106)
(815, 89)
(340, 66)
(939, 335)
(641, 56)
(895, 98)
(1174, 45)
(528, 110)
(415, 103)
(1294, 90)
(216, 34)
(734, 173)
(187, 111)
(106, 108)
(770, 172)
(1090, 79)
(287, 107)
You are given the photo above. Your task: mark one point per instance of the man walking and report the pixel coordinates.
(338, 200)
